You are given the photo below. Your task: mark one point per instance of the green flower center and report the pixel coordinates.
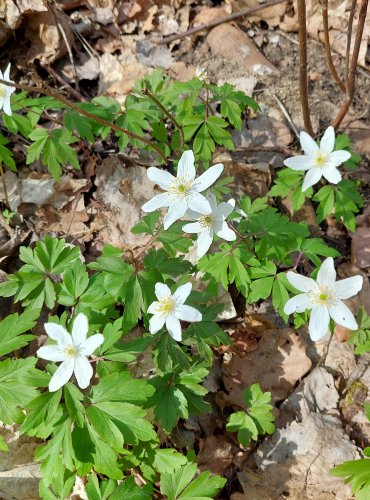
(181, 187)
(70, 351)
(166, 306)
(324, 296)
(321, 159)
(206, 221)
(2, 91)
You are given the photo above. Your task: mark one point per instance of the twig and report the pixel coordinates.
(75, 93)
(169, 115)
(329, 58)
(301, 7)
(264, 149)
(59, 97)
(352, 70)
(349, 40)
(221, 20)
(150, 242)
(286, 114)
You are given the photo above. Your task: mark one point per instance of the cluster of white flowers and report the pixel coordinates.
(6, 91)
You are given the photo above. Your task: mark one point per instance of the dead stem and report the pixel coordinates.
(4, 185)
(349, 40)
(353, 66)
(325, 20)
(301, 7)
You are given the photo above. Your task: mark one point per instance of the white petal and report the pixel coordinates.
(1, 98)
(6, 105)
(193, 227)
(80, 329)
(188, 313)
(160, 201)
(152, 309)
(52, 353)
(332, 175)
(83, 371)
(299, 162)
(336, 158)
(319, 322)
(299, 303)
(58, 333)
(156, 323)
(62, 375)
(328, 140)
(225, 209)
(204, 241)
(182, 293)
(91, 344)
(312, 177)
(344, 289)
(226, 233)
(175, 212)
(7, 73)
(162, 290)
(185, 167)
(192, 215)
(212, 200)
(174, 327)
(342, 315)
(161, 177)
(209, 177)
(198, 203)
(301, 283)
(327, 274)
(309, 146)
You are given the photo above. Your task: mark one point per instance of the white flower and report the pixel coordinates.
(319, 161)
(182, 192)
(72, 350)
(324, 297)
(170, 309)
(209, 225)
(6, 91)
(202, 74)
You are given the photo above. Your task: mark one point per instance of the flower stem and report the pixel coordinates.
(325, 21)
(4, 185)
(150, 242)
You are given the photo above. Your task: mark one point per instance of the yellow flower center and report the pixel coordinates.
(206, 221)
(181, 187)
(324, 296)
(70, 351)
(321, 159)
(2, 91)
(166, 306)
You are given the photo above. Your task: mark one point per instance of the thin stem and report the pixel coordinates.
(169, 115)
(4, 185)
(349, 40)
(301, 7)
(150, 242)
(59, 97)
(325, 20)
(353, 66)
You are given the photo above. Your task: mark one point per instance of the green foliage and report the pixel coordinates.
(6, 156)
(361, 337)
(357, 473)
(257, 421)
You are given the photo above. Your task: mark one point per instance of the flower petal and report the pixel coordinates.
(299, 303)
(209, 177)
(212, 200)
(62, 375)
(336, 158)
(80, 329)
(312, 176)
(175, 212)
(319, 322)
(203, 243)
(152, 309)
(327, 273)
(226, 233)
(7, 73)
(309, 146)
(342, 315)
(328, 140)
(225, 209)
(159, 201)
(1, 98)
(182, 293)
(303, 162)
(58, 333)
(162, 290)
(185, 167)
(51, 353)
(83, 371)
(161, 177)
(174, 327)
(188, 313)
(301, 283)
(192, 227)
(332, 174)
(91, 344)
(156, 323)
(199, 203)
(344, 289)
(6, 105)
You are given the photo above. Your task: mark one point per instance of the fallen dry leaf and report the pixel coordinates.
(216, 454)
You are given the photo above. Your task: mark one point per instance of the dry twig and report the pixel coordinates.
(325, 20)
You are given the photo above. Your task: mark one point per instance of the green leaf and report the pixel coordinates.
(147, 224)
(357, 473)
(130, 490)
(121, 387)
(13, 326)
(3, 444)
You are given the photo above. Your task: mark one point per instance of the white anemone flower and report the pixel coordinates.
(324, 298)
(182, 192)
(206, 226)
(320, 160)
(6, 91)
(170, 309)
(72, 350)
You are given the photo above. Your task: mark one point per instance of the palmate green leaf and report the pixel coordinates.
(174, 240)
(99, 490)
(41, 412)
(326, 198)
(73, 398)
(75, 283)
(6, 156)
(169, 354)
(18, 123)
(167, 266)
(361, 337)
(147, 224)
(61, 487)
(206, 334)
(13, 326)
(313, 247)
(348, 202)
(3, 444)
(135, 121)
(179, 485)
(121, 387)
(280, 294)
(130, 490)
(357, 473)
